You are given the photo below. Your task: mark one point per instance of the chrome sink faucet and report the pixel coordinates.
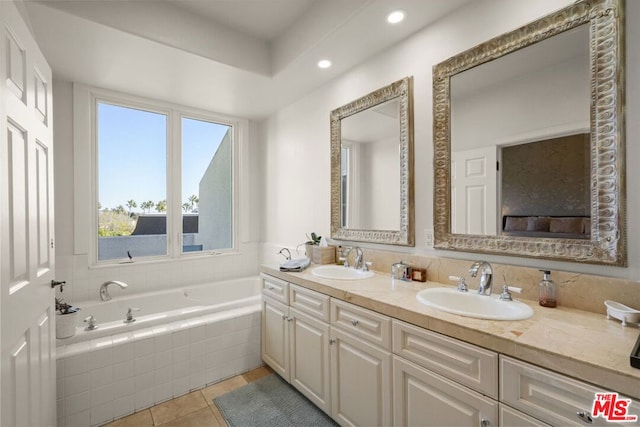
(485, 278)
(358, 264)
(104, 291)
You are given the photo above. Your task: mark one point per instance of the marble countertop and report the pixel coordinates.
(580, 344)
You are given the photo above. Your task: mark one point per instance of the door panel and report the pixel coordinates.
(27, 345)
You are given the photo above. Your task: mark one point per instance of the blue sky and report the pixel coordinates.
(132, 150)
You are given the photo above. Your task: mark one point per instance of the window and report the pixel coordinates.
(161, 172)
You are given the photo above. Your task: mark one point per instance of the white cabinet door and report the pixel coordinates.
(309, 358)
(424, 398)
(554, 398)
(275, 336)
(27, 258)
(510, 417)
(360, 381)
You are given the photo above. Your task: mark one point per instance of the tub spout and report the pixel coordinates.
(104, 288)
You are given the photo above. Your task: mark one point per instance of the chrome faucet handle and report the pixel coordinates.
(129, 316)
(505, 295)
(91, 320)
(462, 285)
(367, 265)
(506, 292)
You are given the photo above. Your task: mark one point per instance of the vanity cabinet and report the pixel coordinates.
(295, 338)
(309, 345)
(510, 417)
(275, 336)
(551, 397)
(361, 366)
(439, 381)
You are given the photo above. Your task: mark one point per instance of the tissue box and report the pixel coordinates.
(324, 254)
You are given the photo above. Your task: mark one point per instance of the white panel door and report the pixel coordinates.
(423, 398)
(275, 336)
(360, 382)
(27, 346)
(309, 359)
(474, 191)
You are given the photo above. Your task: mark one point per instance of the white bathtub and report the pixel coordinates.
(182, 340)
(163, 307)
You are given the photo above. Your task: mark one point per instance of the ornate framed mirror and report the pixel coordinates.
(372, 167)
(529, 148)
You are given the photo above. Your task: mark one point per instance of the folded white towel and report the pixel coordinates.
(295, 265)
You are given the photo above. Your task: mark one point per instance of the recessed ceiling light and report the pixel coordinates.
(396, 16)
(324, 63)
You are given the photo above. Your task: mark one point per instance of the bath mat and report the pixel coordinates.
(270, 402)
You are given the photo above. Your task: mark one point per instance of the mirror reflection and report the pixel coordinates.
(528, 129)
(520, 142)
(372, 167)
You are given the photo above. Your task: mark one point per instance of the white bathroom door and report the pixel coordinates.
(27, 337)
(474, 191)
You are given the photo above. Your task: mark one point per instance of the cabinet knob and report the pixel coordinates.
(332, 341)
(284, 316)
(289, 318)
(485, 423)
(270, 287)
(354, 322)
(585, 417)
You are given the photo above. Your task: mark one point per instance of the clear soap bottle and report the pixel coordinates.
(547, 290)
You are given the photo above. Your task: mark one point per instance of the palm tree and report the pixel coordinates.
(185, 207)
(119, 209)
(161, 206)
(193, 203)
(131, 204)
(147, 205)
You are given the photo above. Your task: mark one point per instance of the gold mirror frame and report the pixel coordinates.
(403, 91)
(608, 229)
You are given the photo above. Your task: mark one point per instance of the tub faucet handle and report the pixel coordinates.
(91, 323)
(129, 316)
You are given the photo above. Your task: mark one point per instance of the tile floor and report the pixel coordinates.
(191, 410)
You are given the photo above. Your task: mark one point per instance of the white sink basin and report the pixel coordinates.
(339, 272)
(470, 304)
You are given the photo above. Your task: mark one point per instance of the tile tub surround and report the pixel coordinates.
(577, 343)
(110, 377)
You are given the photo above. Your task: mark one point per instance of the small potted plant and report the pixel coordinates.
(312, 241)
(66, 319)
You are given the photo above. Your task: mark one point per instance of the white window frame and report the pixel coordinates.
(85, 101)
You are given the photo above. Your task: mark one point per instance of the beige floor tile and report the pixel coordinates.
(221, 388)
(200, 418)
(178, 407)
(256, 374)
(139, 419)
(218, 415)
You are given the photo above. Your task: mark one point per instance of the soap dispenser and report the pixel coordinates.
(547, 290)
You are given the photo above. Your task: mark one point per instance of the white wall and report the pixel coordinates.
(72, 259)
(296, 139)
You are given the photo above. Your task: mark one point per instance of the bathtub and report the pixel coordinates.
(181, 340)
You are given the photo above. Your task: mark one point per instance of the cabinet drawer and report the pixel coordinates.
(549, 396)
(467, 364)
(363, 323)
(424, 398)
(308, 301)
(275, 288)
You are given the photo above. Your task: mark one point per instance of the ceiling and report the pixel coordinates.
(245, 58)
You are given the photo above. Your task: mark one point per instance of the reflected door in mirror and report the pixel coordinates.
(370, 168)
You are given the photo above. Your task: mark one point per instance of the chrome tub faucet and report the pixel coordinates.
(104, 291)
